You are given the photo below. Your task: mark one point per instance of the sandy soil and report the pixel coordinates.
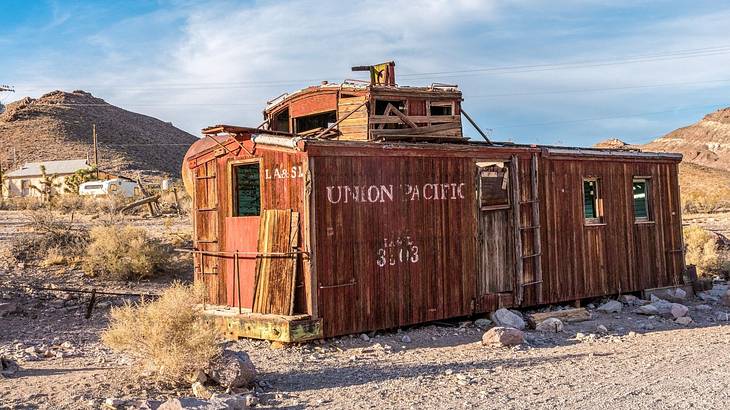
(641, 362)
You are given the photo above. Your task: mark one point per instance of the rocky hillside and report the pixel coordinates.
(58, 126)
(706, 142)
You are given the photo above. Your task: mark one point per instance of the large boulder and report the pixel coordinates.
(505, 318)
(679, 310)
(612, 306)
(232, 369)
(503, 336)
(550, 325)
(649, 310)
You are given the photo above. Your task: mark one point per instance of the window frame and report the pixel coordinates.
(598, 201)
(481, 165)
(233, 191)
(649, 218)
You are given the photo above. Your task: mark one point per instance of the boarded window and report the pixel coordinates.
(590, 200)
(641, 199)
(493, 186)
(247, 190)
(381, 106)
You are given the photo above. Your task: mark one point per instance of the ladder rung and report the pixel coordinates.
(529, 227)
(531, 256)
(207, 209)
(531, 201)
(207, 241)
(206, 177)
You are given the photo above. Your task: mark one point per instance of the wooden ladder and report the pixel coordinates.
(519, 229)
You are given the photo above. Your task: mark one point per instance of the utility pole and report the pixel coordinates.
(96, 151)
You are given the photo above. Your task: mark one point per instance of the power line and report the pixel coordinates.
(589, 90)
(628, 115)
(664, 56)
(677, 55)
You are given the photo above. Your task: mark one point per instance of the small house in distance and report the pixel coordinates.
(20, 182)
(322, 231)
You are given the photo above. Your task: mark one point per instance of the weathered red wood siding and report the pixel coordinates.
(283, 179)
(389, 260)
(620, 255)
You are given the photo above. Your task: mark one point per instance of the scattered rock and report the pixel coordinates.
(612, 306)
(228, 401)
(706, 297)
(506, 318)
(405, 339)
(725, 300)
(582, 337)
(232, 369)
(201, 391)
(9, 308)
(632, 334)
(251, 400)
(679, 310)
(550, 325)
(8, 367)
(601, 329)
(198, 376)
(67, 345)
(483, 324)
(703, 308)
(364, 337)
(628, 299)
(113, 404)
(684, 320)
(503, 336)
(722, 317)
(187, 403)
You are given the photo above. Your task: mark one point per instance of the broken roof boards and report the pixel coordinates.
(392, 233)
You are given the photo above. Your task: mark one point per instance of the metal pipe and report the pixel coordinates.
(474, 124)
(237, 271)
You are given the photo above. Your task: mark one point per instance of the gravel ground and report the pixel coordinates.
(639, 362)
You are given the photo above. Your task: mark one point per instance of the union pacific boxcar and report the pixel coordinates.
(362, 207)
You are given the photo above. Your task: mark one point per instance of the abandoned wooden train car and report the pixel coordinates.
(313, 237)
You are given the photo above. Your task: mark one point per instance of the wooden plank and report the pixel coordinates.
(515, 190)
(417, 131)
(567, 315)
(276, 276)
(286, 329)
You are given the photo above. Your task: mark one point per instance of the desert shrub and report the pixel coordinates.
(50, 233)
(166, 337)
(29, 203)
(703, 251)
(123, 252)
(54, 257)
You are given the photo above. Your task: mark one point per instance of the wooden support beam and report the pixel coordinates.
(474, 124)
(567, 315)
(390, 108)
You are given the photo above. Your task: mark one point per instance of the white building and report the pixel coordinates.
(19, 182)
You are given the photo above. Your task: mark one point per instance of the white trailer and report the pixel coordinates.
(116, 186)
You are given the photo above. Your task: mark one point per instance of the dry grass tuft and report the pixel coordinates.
(166, 337)
(51, 233)
(123, 253)
(703, 251)
(703, 189)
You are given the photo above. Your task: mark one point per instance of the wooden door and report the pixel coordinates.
(496, 237)
(205, 196)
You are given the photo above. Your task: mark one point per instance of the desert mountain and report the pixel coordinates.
(58, 126)
(706, 142)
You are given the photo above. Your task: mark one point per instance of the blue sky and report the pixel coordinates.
(551, 72)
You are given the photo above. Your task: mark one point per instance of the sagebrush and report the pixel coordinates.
(704, 251)
(51, 234)
(124, 253)
(166, 337)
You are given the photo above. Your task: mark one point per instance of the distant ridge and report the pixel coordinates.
(58, 126)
